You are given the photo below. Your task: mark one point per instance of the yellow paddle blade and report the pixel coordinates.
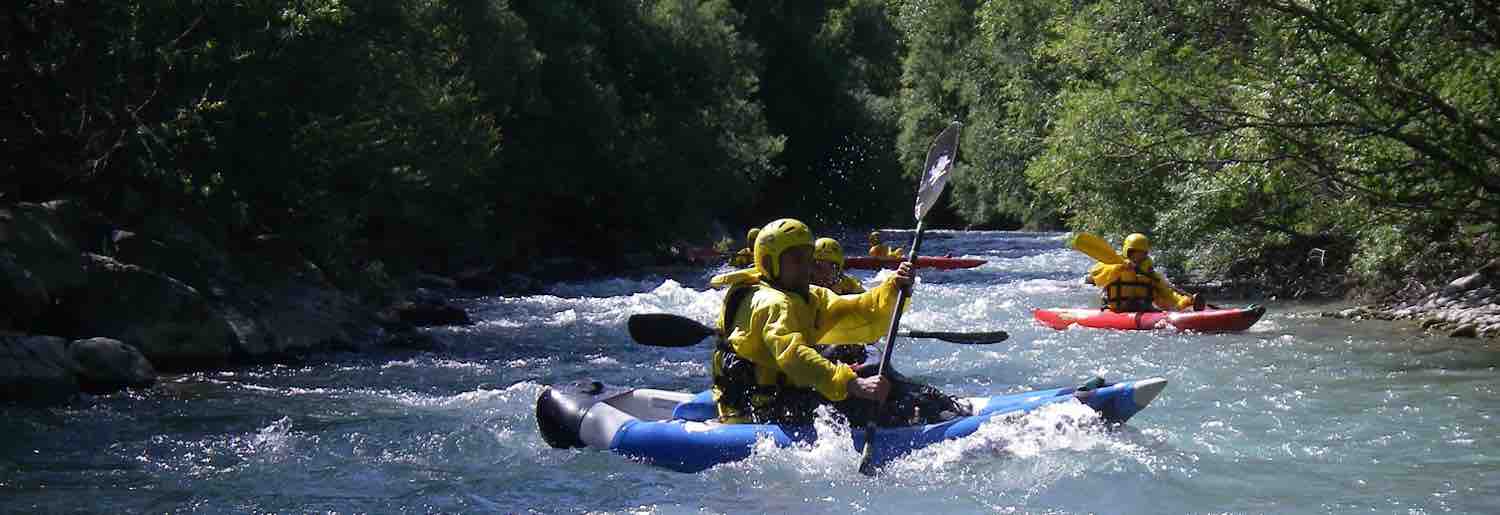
(1095, 247)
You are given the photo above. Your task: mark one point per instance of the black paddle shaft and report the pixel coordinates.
(940, 158)
(866, 465)
(891, 334)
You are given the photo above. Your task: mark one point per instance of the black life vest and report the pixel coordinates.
(1133, 296)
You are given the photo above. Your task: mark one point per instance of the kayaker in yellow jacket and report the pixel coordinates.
(1134, 286)
(828, 271)
(765, 370)
(878, 249)
(746, 256)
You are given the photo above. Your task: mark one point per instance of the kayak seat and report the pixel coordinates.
(700, 409)
(1093, 384)
(703, 409)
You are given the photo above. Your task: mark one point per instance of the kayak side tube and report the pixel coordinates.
(1115, 403)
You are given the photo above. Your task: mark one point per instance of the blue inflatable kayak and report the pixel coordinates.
(679, 431)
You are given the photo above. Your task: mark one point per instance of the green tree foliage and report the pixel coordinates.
(980, 62)
(1249, 137)
(1238, 131)
(933, 79)
(638, 125)
(829, 75)
(409, 131)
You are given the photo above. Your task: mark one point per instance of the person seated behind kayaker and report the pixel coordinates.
(878, 249)
(766, 370)
(913, 402)
(828, 268)
(746, 256)
(828, 272)
(1134, 286)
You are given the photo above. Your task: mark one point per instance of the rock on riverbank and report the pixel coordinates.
(1467, 307)
(93, 307)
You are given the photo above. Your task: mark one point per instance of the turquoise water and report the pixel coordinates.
(1298, 415)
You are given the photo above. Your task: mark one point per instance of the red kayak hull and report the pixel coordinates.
(1212, 320)
(945, 263)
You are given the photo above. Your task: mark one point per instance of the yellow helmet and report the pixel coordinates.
(829, 250)
(750, 236)
(1135, 241)
(775, 238)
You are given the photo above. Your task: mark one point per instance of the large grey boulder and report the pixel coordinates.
(295, 317)
(106, 364)
(288, 306)
(174, 249)
(423, 308)
(271, 299)
(36, 369)
(169, 321)
(38, 263)
(1465, 283)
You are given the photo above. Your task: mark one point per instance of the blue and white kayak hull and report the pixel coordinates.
(679, 431)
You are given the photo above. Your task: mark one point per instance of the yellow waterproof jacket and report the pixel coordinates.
(775, 330)
(1124, 281)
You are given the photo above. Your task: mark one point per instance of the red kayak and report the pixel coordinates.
(1212, 320)
(945, 263)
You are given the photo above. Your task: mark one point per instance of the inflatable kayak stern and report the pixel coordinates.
(560, 411)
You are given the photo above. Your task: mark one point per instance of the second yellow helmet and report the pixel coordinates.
(829, 250)
(1135, 241)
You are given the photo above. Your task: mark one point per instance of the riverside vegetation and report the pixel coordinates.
(210, 183)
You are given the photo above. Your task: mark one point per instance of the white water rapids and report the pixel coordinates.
(1300, 414)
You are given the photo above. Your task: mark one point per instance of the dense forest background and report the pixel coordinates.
(1252, 139)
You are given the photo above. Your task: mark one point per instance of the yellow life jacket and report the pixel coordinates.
(1128, 289)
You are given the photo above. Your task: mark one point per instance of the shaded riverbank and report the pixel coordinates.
(94, 307)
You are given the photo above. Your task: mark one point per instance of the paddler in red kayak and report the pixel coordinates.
(878, 249)
(1134, 286)
(746, 256)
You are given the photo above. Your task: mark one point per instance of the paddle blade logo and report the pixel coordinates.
(940, 158)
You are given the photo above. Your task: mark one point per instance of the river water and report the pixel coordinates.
(1300, 414)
